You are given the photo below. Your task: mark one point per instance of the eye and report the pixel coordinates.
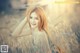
(36, 18)
(30, 17)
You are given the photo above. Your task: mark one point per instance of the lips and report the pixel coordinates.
(33, 24)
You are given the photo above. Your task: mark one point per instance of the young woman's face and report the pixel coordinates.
(34, 20)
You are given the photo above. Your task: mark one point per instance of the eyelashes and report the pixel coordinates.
(34, 18)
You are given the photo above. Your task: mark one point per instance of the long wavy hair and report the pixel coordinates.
(42, 25)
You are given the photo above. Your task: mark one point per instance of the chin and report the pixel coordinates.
(33, 27)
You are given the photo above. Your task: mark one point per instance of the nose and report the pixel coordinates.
(33, 20)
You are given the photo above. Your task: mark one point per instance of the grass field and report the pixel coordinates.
(65, 31)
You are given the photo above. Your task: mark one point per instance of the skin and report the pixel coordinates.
(34, 20)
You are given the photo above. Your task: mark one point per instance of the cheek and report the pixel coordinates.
(37, 22)
(30, 20)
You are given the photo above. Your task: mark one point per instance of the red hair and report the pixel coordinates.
(40, 12)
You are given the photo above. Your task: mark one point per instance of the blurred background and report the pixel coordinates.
(63, 17)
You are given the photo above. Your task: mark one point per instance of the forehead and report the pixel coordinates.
(34, 14)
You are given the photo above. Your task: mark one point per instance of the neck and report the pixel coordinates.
(33, 30)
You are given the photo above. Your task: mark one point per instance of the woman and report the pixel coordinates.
(36, 19)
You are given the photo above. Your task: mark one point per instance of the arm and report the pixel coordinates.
(19, 28)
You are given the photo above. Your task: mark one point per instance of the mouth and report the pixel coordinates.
(33, 24)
